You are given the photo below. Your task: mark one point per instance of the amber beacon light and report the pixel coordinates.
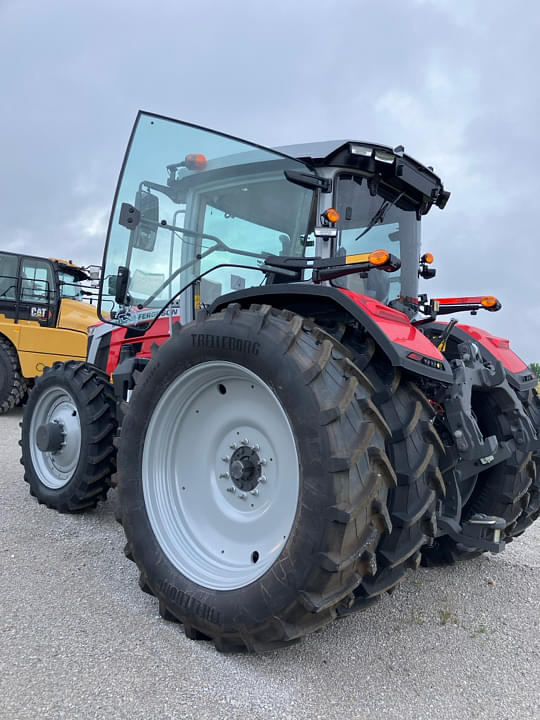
(331, 215)
(196, 161)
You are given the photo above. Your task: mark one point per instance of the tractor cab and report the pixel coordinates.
(199, 215)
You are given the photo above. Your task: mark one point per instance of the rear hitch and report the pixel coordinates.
(479, 532)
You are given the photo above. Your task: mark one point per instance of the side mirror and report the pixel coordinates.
(142, 220)
(144, 235)
(94, 272)
(111, 285)
(120, 285)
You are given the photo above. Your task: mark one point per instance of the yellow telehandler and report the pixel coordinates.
(44, 317)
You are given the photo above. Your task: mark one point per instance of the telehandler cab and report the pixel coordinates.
(311, 429)
(43, 319)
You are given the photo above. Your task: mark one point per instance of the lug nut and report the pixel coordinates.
(225, 476)
(255, 492)
(263, 461)
(256, 447)
(233, 446)
(262, 478)
(231, 489)
(225, 458)
(241, 495)
(245, 441)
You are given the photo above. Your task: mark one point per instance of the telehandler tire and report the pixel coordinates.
(12, 383)
(67, 437)
(252, 478)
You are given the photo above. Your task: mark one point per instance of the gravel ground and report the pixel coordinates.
(80, 640)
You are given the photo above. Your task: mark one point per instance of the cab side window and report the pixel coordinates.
(37, 283)
(8, 276)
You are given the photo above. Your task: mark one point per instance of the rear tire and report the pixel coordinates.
(531, 509)
(72, 407)
(12, 383)
(502, 491)
(414, 449)
(274, 380)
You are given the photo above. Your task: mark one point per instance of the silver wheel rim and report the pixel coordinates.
(219, 529)
(55, 469)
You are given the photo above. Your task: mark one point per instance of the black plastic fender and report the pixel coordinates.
(329, 303)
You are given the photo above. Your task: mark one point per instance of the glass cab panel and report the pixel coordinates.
(70, 285)
(200, 212)
(37, 281)
(9, 271)
(397, 230)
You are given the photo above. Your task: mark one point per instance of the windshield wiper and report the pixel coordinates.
(379, 215)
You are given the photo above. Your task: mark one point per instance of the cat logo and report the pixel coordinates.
(39, 313)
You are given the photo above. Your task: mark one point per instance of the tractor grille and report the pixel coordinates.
(102, 353)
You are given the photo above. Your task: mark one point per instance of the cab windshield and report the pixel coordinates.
(70, 286)
(393, 228)
(199, 211)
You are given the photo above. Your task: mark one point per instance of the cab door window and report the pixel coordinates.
(8, 276)
(37, 282)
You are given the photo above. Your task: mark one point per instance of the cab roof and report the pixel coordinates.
(68, 266)
(391, 165)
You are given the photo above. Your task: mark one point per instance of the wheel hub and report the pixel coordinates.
(245, 468)
(55, 437)
(50, 437)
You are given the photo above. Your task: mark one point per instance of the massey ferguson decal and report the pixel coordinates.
(134, 317)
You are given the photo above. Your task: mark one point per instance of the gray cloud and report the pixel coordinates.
(454, 82)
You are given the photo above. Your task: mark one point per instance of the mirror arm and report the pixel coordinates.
(311, 182)
(165, 189)
(130, 216)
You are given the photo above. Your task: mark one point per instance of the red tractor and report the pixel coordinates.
(311, 429)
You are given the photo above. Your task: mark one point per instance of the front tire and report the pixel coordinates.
(247, 562)
(12, 384)
(67, 437)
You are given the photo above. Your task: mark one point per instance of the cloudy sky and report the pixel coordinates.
(455, 81)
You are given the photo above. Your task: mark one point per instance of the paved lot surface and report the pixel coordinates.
(79, 640)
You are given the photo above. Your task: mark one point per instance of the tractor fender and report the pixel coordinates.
(402, 343)
(494, 349)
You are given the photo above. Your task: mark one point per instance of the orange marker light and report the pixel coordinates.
(428, 258)
(194, 161)
(379, 257)
(489, 301)
(331, 215)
